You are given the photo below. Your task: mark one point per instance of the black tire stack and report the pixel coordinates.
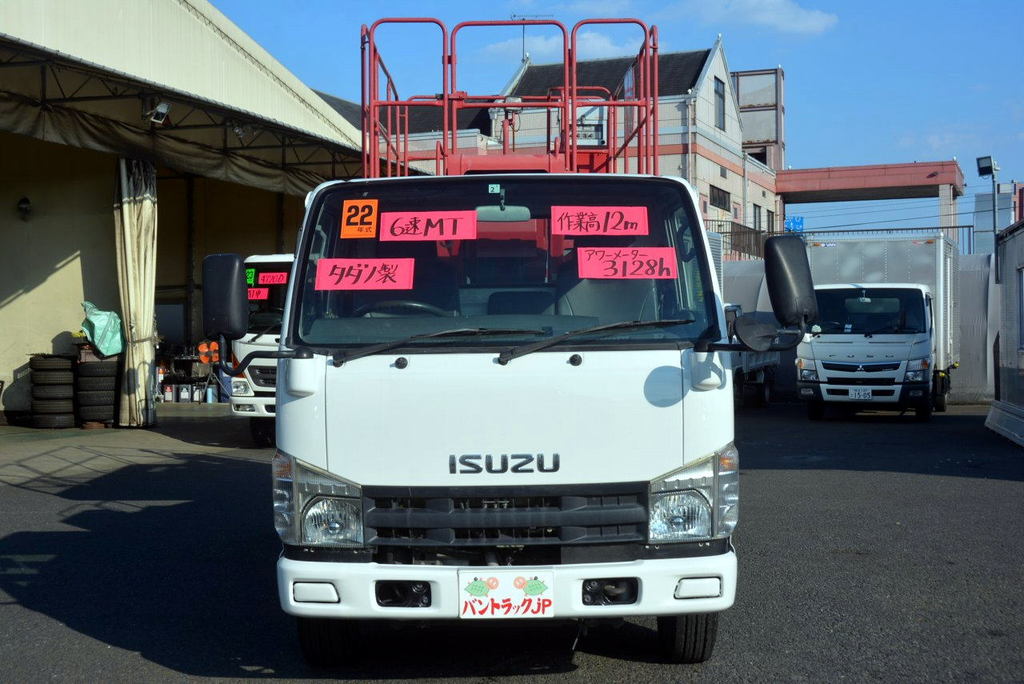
(53, 391)
(96, 393)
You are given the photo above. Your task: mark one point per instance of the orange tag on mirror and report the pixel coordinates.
(359, 218)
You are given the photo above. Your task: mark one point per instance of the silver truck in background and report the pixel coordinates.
(887, 336)
(253, 393)
(753, 372)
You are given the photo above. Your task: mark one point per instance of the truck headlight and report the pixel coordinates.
(313, 507)
(240, 388)
(806, 370)
(697, 502)
(917, 370)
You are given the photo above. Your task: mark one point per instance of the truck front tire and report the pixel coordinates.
(815, 410)
(328, 643)
(940, 402)
(687, 638)
(263, 432)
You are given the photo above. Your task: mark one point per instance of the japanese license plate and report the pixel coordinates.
(860, 394)
(513, 593)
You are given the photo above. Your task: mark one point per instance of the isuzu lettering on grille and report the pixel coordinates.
(470, 464)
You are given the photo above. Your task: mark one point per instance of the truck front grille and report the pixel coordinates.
(263, 376)
(505, 516)
(861, 367)
(860, 381)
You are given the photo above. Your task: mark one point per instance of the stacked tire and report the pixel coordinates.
(96, 391)
(53, 391)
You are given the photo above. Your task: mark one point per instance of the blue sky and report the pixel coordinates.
(866, 82)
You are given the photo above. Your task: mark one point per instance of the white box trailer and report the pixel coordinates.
(925, 257)
(858, 363)
(753, 371)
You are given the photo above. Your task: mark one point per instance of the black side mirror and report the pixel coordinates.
(754, 334)
(225, 297)
(790, 287)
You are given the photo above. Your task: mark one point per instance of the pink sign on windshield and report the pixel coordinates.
(427, 225)
(627, 263)
(273, 278)
(259, 293)
(598, 220)
(364, 274)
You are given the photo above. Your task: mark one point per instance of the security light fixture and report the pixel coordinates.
(159, 113)
(987, 166)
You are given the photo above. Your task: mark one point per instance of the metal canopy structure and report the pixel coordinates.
(225, 110)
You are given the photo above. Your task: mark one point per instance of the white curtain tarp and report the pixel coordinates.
(135, 236)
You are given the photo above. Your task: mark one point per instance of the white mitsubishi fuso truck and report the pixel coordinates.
(888, 331)
(253, 392)
(508, 398)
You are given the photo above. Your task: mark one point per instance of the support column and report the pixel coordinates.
(947, 207)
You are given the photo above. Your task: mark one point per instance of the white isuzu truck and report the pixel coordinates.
(502, 395)
(497, 415)
(888, 330)
(253, 392)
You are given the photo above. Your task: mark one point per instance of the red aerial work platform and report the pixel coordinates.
(632, 112)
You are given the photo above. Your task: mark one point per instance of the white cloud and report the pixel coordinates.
(785, 16)
(592, 45)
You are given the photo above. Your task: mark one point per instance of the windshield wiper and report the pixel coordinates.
(263, 332)
(892, 328)
(523, 350)
(371, 349)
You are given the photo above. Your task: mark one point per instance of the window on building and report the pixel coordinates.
(720, 104)
(771, 221)
(722, 172)
(757, 217)
(719, 198)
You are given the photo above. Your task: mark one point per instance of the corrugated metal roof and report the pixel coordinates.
(677, 73)
(184, 45)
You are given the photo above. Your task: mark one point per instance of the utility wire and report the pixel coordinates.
(880, 224)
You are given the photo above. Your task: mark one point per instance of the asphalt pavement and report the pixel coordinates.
(871, 548)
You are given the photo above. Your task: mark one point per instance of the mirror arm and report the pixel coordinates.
(300, 353)
(798, 336)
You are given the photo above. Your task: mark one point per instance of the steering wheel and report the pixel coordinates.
(409, 304)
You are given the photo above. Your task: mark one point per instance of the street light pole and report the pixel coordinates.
(987, 166)
(994, 203)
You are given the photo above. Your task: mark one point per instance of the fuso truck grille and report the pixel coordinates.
(263, 376)
(496, 516)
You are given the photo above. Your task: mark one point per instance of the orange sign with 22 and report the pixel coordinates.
(359, 218)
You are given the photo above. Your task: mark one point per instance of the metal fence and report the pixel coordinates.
(961, 236)
(740, 242)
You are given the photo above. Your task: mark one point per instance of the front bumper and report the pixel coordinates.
(259, 406)
(904, 395)
(346, 590)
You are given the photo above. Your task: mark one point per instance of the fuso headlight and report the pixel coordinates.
(806, 370)
(697, 502)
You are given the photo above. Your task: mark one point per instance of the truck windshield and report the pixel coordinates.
(528, 256)
(268, 285)
(871, 310)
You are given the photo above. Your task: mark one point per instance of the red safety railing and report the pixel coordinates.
(633, 105)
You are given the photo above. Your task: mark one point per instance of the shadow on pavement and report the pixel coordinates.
(177, 562)
(953, 444)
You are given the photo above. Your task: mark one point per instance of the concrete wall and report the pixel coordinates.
(63, 254)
